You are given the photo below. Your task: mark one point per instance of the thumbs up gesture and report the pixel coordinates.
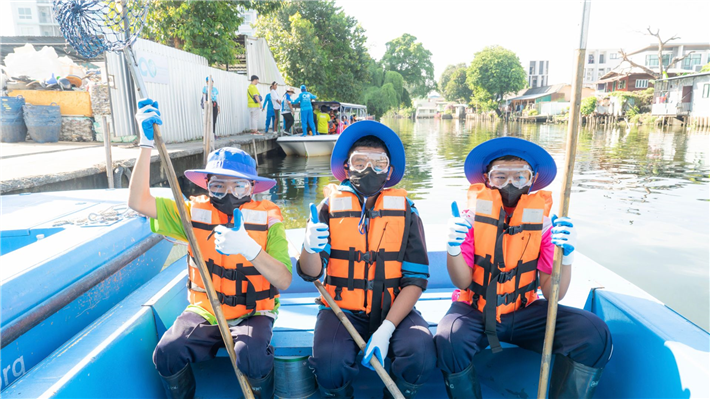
(458, 228)
(316, 233)
(236, 241)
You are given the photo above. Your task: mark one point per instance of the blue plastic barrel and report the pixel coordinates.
(44, 122)
(12, 122)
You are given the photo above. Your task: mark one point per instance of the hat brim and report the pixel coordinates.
(199, 177)
(483, 154)
(359, 130)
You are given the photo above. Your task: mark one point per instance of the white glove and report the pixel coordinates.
(316, 233)
(458, 228)
(379, 344)
(147, 115)
(564, 235)
(236, 241)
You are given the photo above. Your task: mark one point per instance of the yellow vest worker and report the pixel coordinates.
(323, 118)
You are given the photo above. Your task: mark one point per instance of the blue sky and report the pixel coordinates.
(455, 30)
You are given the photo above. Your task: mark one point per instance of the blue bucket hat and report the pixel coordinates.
(359, 130)
(303, 87)
(233, 162)
(483, 154)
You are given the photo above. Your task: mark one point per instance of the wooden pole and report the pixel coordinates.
(572, 132)
(107, 148)
(207, 136)
(189, 233)
(381, 372)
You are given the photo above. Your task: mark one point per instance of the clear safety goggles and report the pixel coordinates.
(377, 160)
(218, 188)
(518, 176)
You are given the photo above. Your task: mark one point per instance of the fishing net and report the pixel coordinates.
(95, 26)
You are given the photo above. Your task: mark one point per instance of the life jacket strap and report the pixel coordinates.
(359, 284)
(381, 299)
(230, 274)
(359, 256)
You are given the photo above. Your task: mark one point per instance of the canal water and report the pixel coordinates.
(640, 198)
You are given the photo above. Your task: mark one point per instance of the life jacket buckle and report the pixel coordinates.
(373, 214)
(370, 285)
(365, 257)
(513, 230)
(505, 299)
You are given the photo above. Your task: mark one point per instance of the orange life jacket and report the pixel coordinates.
(240, 287)
(364, 270)
(506, 251)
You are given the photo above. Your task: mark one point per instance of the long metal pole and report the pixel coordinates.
(391, 386)
(572, 132)
(107, 148)
(189, 233)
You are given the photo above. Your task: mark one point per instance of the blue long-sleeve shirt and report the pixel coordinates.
(267, 102)
(305, 100)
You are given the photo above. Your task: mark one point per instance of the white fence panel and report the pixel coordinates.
(179, 101)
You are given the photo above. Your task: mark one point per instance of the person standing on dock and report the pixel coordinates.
(272, 104)
(253, 103)
(370, 241)
(500, 250)
(323, 117)
(287, 110)
(244, 241)
(207, 100)
(304, 99)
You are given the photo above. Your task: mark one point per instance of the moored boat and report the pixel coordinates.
(67, 258)
(308, 146)
(113, 356)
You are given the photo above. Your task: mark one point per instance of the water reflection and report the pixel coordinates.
(640, 195)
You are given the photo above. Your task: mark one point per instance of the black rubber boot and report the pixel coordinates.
(570, 379)
(463, 385)
(408, 390)
(345, 392)
(263, 388)
(180, 385)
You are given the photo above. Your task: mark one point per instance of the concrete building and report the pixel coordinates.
(249, 18)
(537, 73)
(687, 95)
(31, 18)
(599, 62)
(648, 56)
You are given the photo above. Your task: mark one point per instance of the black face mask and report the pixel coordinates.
(228, 203)
(510, 195)
(368, 183)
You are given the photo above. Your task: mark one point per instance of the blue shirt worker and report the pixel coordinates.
(271, 115)
(500, 250)
(370, 241)
(215, 105)
(243, 242)
(304, 99)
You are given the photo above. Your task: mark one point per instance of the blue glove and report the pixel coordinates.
(147, 115)
(564, 235)
(236, 240)
(316, 233)
(458, 228)
(378, 344)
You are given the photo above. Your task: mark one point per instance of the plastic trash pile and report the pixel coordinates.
(29, 69)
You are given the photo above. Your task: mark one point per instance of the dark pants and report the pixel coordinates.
(193, 339)
(579, 334)
(335, 352)
(215, 112)
(288, 121)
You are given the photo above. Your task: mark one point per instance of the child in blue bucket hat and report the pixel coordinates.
(243, 241)
(368, 237)
(506, 236)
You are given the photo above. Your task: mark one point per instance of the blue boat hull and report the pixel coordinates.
(54, 287)
(657, 353)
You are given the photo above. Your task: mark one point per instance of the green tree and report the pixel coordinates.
(409, 57)
(315, 43)
(493, 73)
(397, 82)
(206, 28)
(588, 105)
(456, 89)
(446, 75)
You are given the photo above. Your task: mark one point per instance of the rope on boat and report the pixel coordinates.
(112, 214)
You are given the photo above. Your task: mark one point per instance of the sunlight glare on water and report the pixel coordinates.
(639, 200)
